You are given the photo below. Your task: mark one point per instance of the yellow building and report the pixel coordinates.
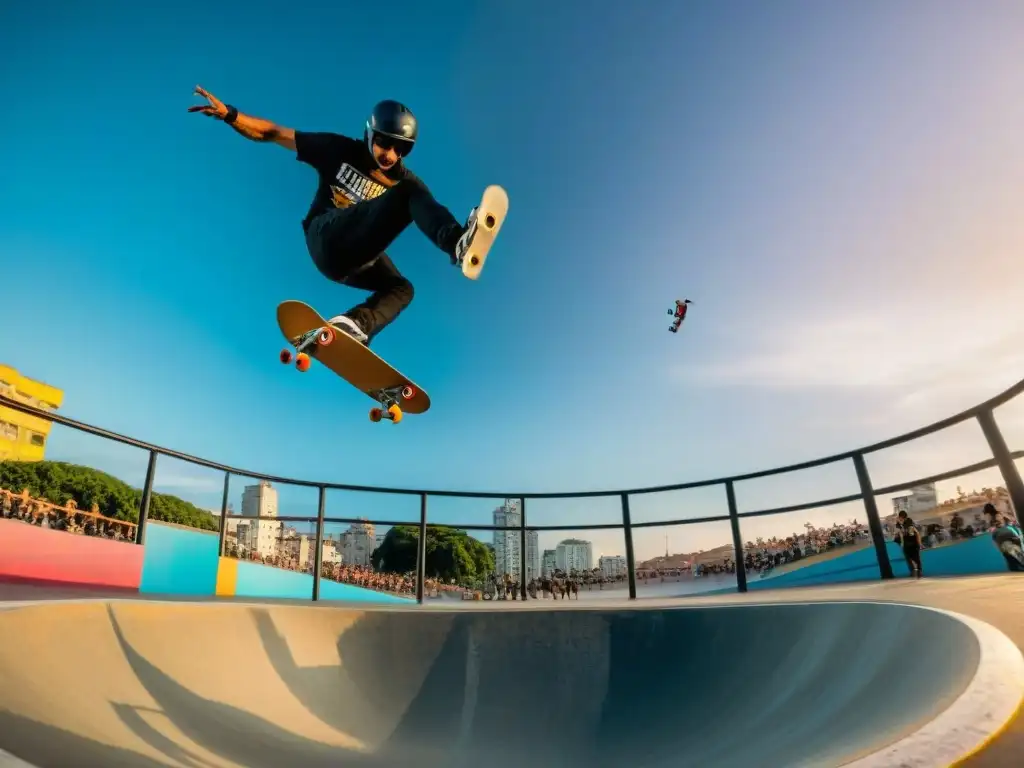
(23, 437)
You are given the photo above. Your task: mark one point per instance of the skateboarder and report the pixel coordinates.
(910, 539)
(680, 314)
(365, 198)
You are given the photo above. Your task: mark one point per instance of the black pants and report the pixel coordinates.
(347, 246)
(913, 555)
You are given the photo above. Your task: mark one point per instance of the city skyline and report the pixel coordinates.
(260, 529)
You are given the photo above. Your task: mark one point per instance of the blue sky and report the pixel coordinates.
(835, 186)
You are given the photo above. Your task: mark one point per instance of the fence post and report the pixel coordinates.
(1001, 453)
(874, 521)
(737, 537)
(223, 532)
(421, 550)
(147, 497)
(318, 555)
(522, 547)
(627, 530)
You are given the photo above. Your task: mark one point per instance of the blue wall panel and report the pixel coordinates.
(179, 561)
(257, 580)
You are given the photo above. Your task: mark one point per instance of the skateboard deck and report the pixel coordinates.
(312, 338)
(490, 215)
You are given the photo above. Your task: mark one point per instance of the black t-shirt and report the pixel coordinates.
(346, 170)
(908, 533)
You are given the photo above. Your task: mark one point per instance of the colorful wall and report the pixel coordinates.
(184, 561)
(174, 561)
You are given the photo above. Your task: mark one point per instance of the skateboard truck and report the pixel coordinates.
(388, 398)
(320, 337)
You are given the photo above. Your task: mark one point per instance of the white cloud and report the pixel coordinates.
(935, 351)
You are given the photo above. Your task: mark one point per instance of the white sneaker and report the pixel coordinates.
(466, 240)
(347, 325)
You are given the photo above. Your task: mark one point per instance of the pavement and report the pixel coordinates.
(876, 674)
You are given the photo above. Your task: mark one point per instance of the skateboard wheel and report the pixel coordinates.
(286, 356)
(395, 413)
(326, 337)
(489, 221)
(302, 361)
(408, 392)
(376, 414)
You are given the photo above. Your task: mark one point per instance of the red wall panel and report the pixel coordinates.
(30, 553)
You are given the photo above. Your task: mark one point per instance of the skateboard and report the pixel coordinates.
(313, 338)
(490, 215)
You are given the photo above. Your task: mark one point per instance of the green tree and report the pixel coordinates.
(451, 553)
(58, 482)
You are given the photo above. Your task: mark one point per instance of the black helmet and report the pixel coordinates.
(395, 121)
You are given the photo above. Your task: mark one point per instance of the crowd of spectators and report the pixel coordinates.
(556, 585)
(356, 575)
(763, 556)
(39, 512)
(938, 531)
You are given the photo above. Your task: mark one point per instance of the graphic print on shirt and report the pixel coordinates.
(354, 187)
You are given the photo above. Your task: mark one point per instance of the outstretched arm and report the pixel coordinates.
(258, 129)
(254, 128)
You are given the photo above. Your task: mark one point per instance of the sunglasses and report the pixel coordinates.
(402, 147)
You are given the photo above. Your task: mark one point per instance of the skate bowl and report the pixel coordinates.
(148, 683)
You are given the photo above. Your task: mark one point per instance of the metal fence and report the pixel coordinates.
(1002, 458)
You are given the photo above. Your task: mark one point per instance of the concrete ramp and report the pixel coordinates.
(217, 685)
